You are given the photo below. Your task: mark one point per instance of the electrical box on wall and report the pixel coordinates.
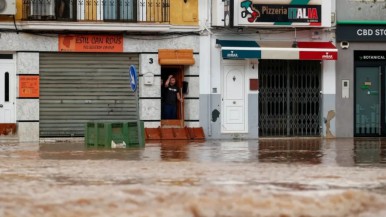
(148, 78)
(345, 89)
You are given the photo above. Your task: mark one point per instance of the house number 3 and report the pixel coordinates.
(151, 60)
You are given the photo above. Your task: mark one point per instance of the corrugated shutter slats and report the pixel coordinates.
(79, 87)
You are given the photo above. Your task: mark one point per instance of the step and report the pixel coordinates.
(177, 133)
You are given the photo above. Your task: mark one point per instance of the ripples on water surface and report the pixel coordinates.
(343, 152)
(282, 177)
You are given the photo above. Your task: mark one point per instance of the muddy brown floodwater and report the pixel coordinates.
(266, 177)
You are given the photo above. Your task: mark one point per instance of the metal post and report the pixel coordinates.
(139, 128)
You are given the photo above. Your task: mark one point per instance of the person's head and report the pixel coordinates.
(172, 81)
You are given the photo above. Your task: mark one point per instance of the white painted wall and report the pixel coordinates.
(216, 64)
(328, 77)
(205, 64)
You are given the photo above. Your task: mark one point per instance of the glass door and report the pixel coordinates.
(368, 101)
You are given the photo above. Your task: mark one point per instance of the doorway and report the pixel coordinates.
(178, 73)
(289, 100)
(7, 92)
(369, 99)
(235, 115)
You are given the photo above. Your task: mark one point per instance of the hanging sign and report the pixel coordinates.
(91, 43)
(133, 78)
(29, 86)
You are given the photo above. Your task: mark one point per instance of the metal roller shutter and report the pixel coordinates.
(77, 88)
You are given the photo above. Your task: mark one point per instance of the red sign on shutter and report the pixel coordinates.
(91, 43)
(29, 86)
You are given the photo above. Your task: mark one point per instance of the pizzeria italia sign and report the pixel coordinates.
(262, 13)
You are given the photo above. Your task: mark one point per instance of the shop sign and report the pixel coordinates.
(361, 33)
(254, 13)
(91, 43)
(370, 56)
(29, 86)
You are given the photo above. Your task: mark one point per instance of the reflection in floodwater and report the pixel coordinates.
(369, 151)
(174, 150)
(305, 151)
(343, 152)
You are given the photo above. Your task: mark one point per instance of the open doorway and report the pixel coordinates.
(178, 74)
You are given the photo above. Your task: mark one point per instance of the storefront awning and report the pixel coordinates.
(233, 49)
(175, 57)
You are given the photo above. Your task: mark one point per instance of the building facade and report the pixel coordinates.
(64, 63)
(272, 70)
(360, 101)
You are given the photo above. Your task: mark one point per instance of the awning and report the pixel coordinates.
(233, 49)
(175, 57)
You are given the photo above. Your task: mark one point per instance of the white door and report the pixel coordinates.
(234, 114)
(7, 93)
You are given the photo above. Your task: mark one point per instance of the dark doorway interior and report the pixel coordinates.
(178, 73)
(289, 100)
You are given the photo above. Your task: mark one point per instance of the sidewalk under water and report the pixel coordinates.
(266, 177)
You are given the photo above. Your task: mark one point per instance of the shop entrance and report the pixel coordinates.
(370, 96)
(289, 100)
(178, 74)
(76, 88)
(234, 117)
(368, 101)
(7, 92)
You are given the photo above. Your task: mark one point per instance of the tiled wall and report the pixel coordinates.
(27, 110)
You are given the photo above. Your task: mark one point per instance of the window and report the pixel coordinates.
(6, 87)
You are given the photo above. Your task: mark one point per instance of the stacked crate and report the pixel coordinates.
(121, 134)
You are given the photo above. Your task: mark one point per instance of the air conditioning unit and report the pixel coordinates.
(7, 7)
(42, 9)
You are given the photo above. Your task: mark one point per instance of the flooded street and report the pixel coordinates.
(268, 177)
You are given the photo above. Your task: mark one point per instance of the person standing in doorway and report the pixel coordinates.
(171, 96)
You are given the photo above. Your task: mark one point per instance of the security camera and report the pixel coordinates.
(344, 44)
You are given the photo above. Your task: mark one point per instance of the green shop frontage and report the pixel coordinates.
(361, 76)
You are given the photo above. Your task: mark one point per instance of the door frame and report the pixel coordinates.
(243, 63)
(180, 121)
(382, 66)
(13, 83)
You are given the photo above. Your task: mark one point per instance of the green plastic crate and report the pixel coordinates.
(101, 134)
(108, 132)
(119, 133)
(136, 133)
(91, 134)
